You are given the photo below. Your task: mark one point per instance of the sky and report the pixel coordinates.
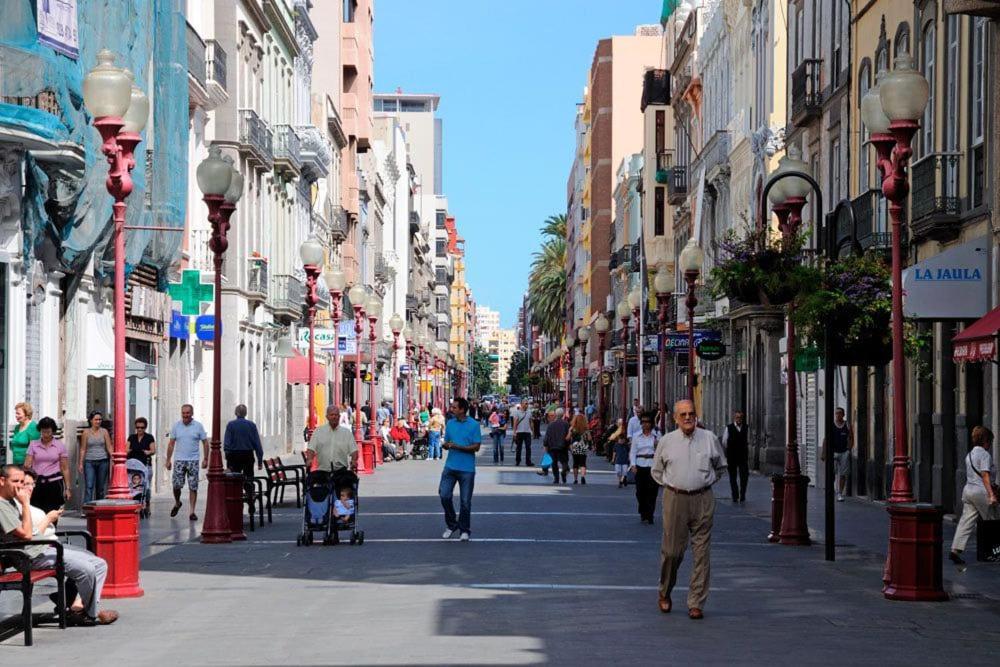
(509, 73)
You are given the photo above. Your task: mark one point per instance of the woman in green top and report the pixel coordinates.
(25, 431)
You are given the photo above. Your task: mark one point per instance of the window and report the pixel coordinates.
(902, 44)
(412, 105)
(977, 111)
(439, 220)
(441, 248)
(951, 115)
(928, 65)
(659, 212)
(441, 275)
(442, 304)
(864, 85)
(835, 169)
(350, 7)
(800, 35)
(660, 139)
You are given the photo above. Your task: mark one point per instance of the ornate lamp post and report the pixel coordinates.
(624, 314)
(311, 253)
(691, 260)
(663, 283)
(601, 325)
(374, 309)
(565, 363)
(410, 349)
(120, 111)
(891, 112)
(396, 326)
(635, 302)
(335, 282)
(583, 335)
(419, 344)
(357, 296)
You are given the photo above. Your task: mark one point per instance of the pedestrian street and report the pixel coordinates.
(552, 575)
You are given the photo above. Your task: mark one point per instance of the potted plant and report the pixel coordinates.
(851, 310)
(754, 269)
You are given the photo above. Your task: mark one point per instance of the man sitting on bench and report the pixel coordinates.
(85, 569)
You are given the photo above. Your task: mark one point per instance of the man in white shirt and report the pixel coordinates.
(634, 426)
(688, 461)
(520, 417)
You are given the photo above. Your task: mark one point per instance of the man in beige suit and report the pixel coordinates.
(688, 461)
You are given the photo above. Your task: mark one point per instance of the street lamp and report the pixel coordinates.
(336, 281)
(564, 360)
(357, 296)
(914, 529)
(396, 326)
(624, 314)
(373, 308)
(120, 111)
(311, 253)
(635, 301)
(409, 349)
(663, 284)
(583, 335)
(601, 325)
(691, 260)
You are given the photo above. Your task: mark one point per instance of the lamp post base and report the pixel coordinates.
(115, 527)
(777, 506)
(366, 457)
(914, 562)
(794, 527)
(234, 505)
(215, 529)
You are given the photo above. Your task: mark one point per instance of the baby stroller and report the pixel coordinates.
(420, 447)
(322, 487)
(139, 483)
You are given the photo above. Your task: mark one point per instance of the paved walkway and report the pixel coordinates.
(553, 575)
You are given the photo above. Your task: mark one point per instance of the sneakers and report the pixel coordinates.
(583, 480)
(449, 533)
(840, 497)
(464, 537)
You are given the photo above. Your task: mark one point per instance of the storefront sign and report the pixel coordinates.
(678, 342)
(710, 350)
(180, 325)
(204, 328)
(950, 285)
(57, 26)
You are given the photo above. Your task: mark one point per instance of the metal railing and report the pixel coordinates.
(715, 153)
(935, 186)
(414, 222)
(287, 146)
(686, 37)
(807, 95)
(257, 275)
(677, 184)
(195, 55)
(287, 293)
(256, 137)
(338, 223)
(215, 63)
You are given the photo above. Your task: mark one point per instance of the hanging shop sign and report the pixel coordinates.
(204, 328)
(191, 292)
(808, 359)
(710, 350)
(606, 378)
(951, 285)
(57, 26)
(180, 325)
(678, 342)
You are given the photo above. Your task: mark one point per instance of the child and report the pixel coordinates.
(343, 506)
(619, 455)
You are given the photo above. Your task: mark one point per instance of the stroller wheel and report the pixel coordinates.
(354, 538)
(327, 541)
(298, 541)
(361, 538)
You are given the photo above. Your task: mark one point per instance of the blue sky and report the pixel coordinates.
(509, 73)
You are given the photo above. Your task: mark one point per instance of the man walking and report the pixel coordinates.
(688, 461)
(734, 441)
(557, 447)
(841, 443)
(186, 436)
(241, 442)
(521, 417)
(462, 438)
(332, 445)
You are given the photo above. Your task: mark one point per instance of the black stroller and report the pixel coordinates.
(322, 489)
(420, 447)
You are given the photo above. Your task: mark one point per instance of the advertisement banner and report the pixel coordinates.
(57, 27)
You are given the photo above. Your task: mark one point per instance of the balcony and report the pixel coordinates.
(256, 139)
(686, 37)
(681, 79)
(315, 151)
(664, 161)
(349, 263)
(287, 150)
(215, 71)
(934, 203)
(287, 296)
(384, 271)
(807, 97)
(714, 156)
(197, 90)
(414, 222)
(338, 224)
(257, 279)
(655, 88)
(677, 185)
(871, 220)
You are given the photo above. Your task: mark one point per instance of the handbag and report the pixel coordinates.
(546, 461)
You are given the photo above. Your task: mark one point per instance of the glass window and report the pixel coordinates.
(864, 85)
(442, 248)
(978, 78)
(412, 105)
(439, 220)
(928, 68)
(350, 7)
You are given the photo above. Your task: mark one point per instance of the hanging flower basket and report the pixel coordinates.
(755, 271)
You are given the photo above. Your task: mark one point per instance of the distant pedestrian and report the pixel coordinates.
(462, 439)
(556, 445)
(521, 418)
(620, 454)
(141, 443)
(48, 458)
(734, 441)
(980, 494)
(241, 443)
(579, 446)
(435, 433)
(383, 413)
(497, 434)
(688, 462)
(840, 443)
(642, 450)
(191, 441)
(24, 433)
(634, 424)
(95, 458)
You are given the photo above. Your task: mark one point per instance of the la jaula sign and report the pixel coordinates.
(957, 274)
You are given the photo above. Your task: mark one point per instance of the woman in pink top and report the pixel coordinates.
(48, 459)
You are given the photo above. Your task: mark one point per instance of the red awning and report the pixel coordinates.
(978, 341)
(297, 371)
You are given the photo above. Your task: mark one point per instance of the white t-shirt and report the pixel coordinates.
(521, 420)
(37, 516)
(983, 462)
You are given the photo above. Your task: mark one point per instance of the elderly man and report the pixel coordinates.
(520, 418)
(688, 461)
(557, 447)
(332, 446)
(241, 442)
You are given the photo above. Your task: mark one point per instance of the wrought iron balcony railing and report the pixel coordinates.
(677, 184)
(257, 276)
(287, 295)
(807, 91)
(339, 224)
(195, 55)
(935, 203)
(215, 63)
(287, 148)
(256, 139)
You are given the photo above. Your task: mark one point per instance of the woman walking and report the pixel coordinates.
(979, 497)
(25, 431)
(579, 445)
(497, 433)
(435, 434)
(95, 458)
(47, 457)
(643, 448)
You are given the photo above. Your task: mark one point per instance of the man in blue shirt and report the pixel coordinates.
(462, 438)
(241, 442)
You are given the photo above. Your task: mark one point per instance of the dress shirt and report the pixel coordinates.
(690, 462)
(634, 427)
(333, 447)
(643, 450)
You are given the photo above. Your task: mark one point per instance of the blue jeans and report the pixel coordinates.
(95, 474)
(497, 446)
(465, 480)
(434, 445)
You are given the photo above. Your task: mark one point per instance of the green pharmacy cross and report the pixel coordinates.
(191, 292)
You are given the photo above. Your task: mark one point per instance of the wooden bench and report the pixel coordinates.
(16, 574)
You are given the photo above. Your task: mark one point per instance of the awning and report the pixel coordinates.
(297, 371)
(101, 351)
(978, 341)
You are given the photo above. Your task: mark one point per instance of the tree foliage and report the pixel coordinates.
(481, 370)
(547, 280)
(517, 373)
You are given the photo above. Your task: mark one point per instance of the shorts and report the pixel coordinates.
(184, 469)
(579, 461)
(621, 469)
(841, 463)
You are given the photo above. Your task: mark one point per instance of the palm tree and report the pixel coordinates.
(547, 280)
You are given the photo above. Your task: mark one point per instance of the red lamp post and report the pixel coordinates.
(602, 325)
(120, 110)
(411, 368)
(691, 260)
(311, 253)
(396, 326)
(336, 281)
(624, 314)
(583, 335)
(663, 284)
(374, 310)
(357, 295)
(891, 111)
(565, 362)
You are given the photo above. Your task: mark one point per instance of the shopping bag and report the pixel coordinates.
(546, 461)
(630, 476)
(988, 540)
